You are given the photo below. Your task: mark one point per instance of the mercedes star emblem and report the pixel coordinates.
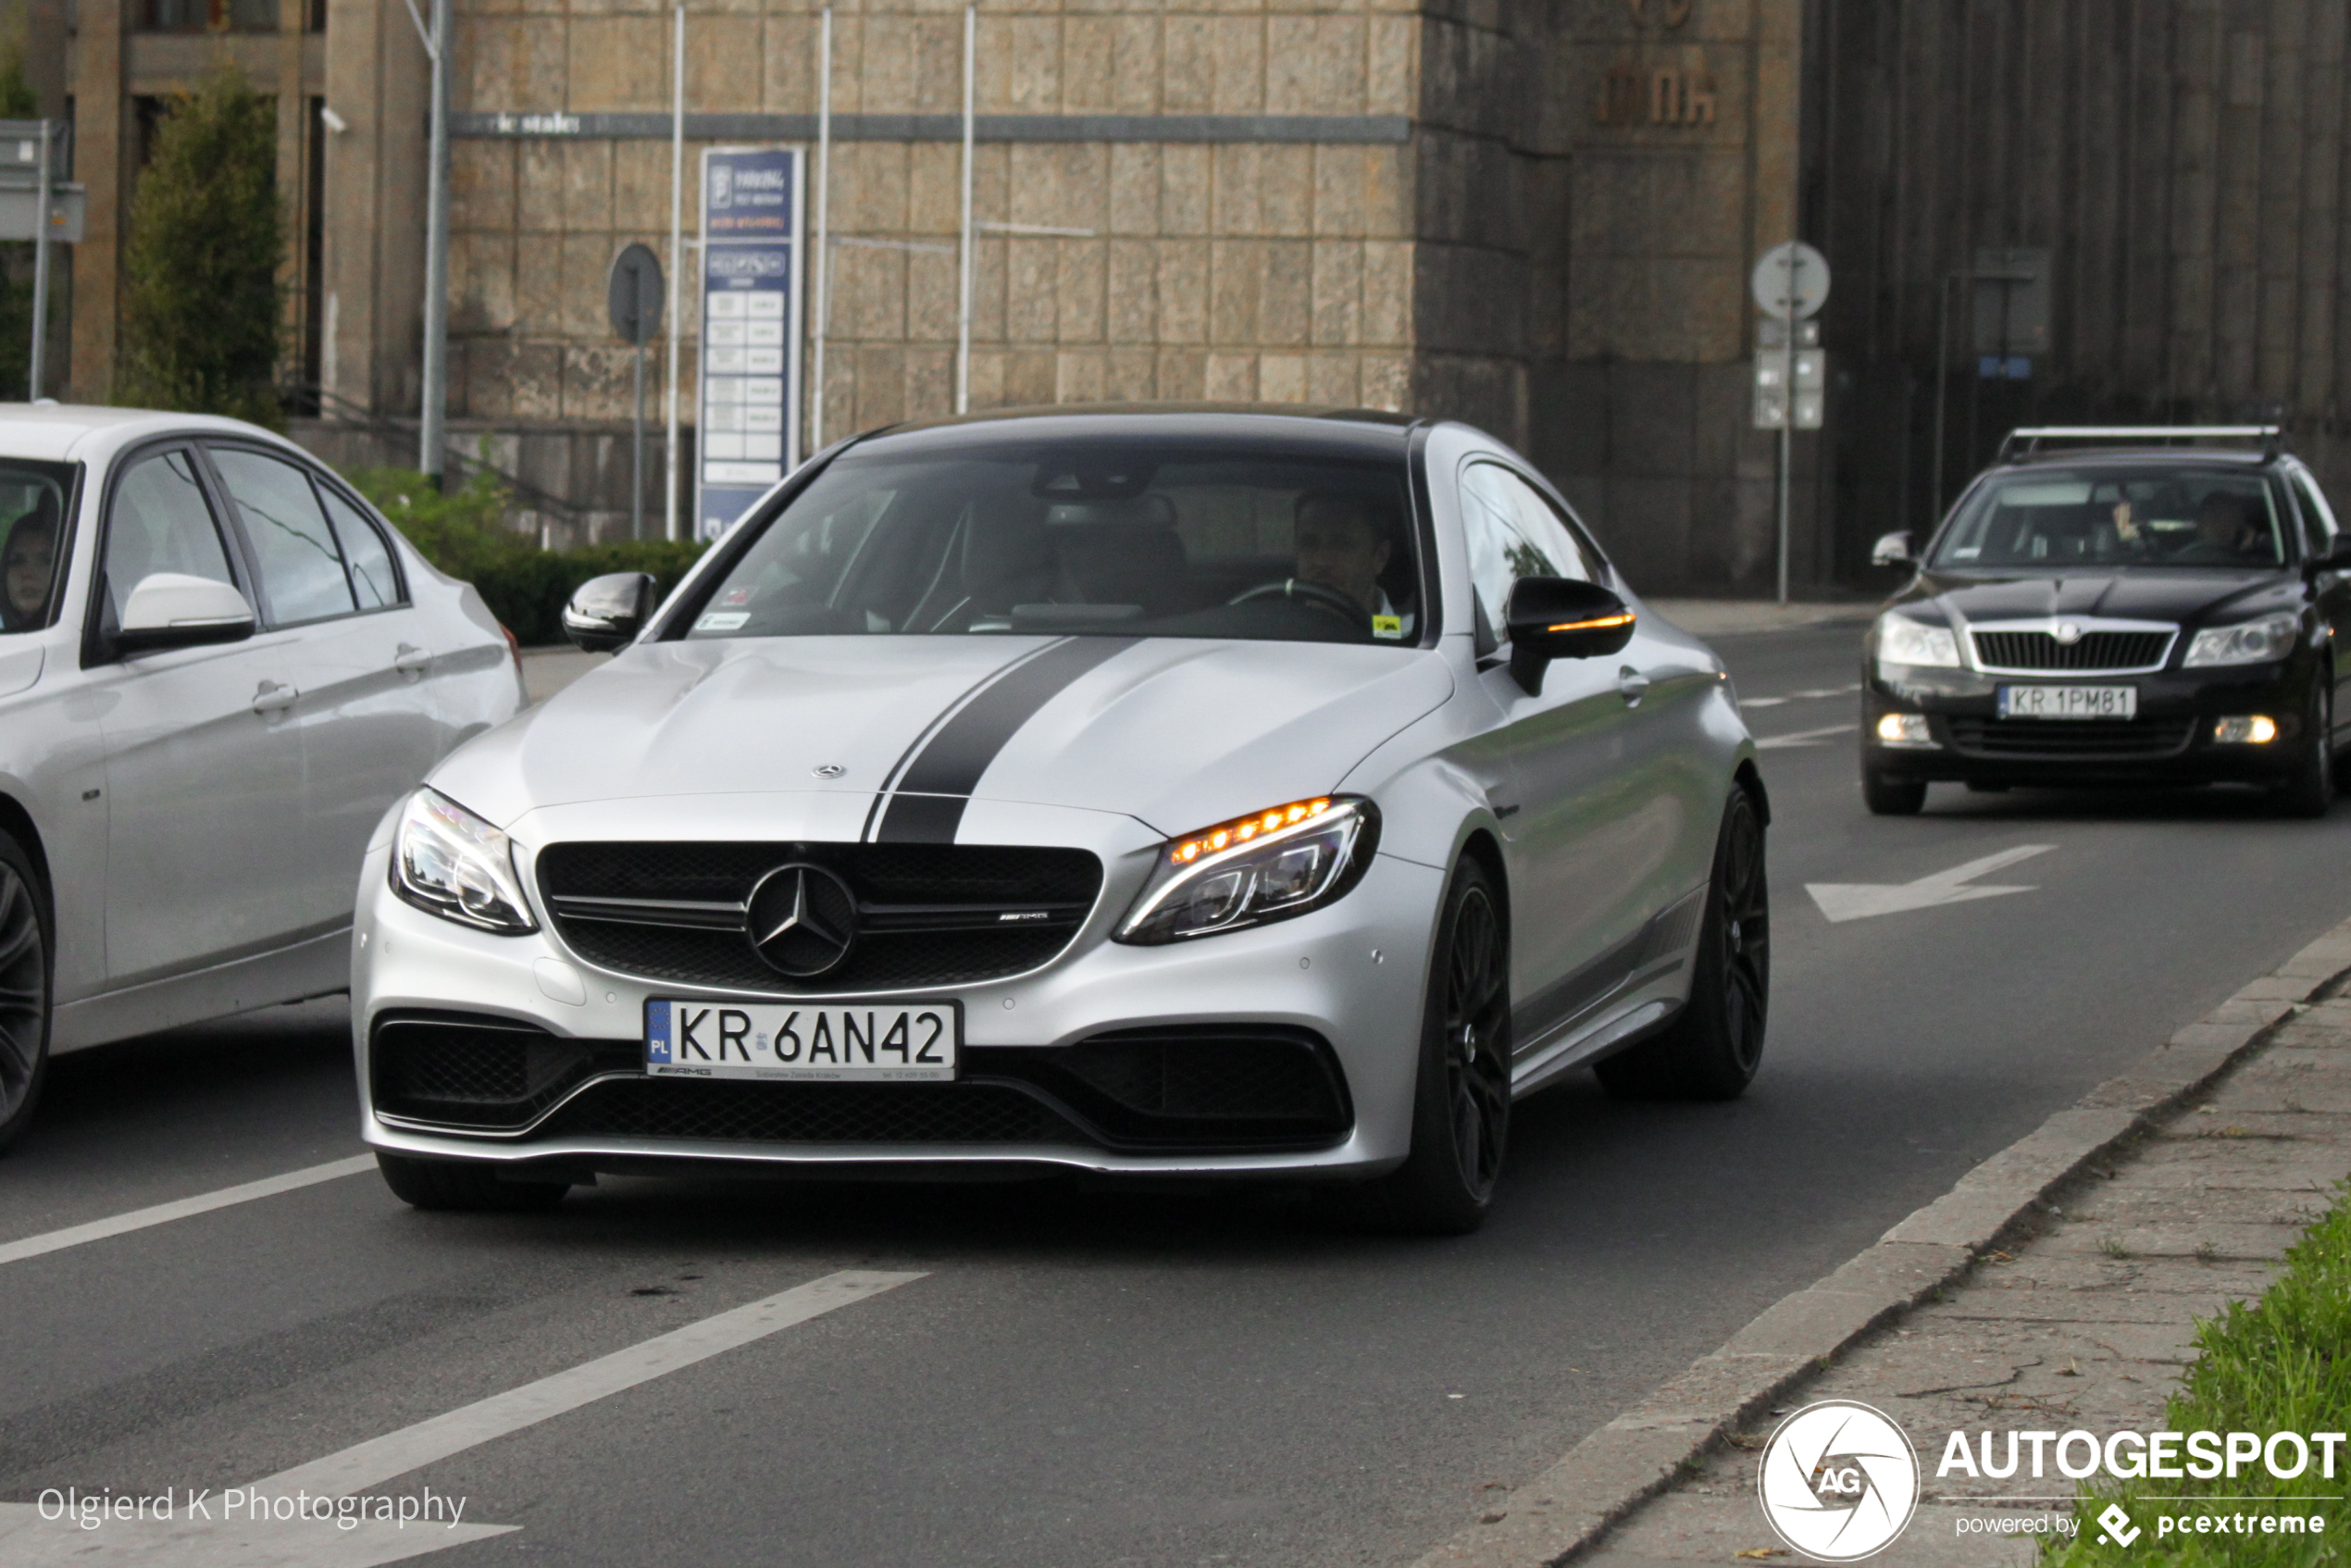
(829, 770)
(802, 920)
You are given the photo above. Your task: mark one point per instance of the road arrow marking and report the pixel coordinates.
(1805, 737)
(240, 1539)
(1858, 900)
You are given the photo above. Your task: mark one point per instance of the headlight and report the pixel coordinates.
(1901, 641)
(449, 862)
(2251, 642)
(1255, 869)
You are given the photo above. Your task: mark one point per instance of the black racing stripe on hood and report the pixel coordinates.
(928, 804)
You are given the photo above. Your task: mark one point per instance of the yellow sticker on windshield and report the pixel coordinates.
(1387, 626)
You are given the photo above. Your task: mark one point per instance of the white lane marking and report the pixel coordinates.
(289, 1520)
(379, 1460)
(1805, 737)
(1799, 696)
(1764, 702)
(1858, 900)
(182, 1208)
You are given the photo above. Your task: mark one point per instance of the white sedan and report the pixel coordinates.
(218, 667)
(1217, 793)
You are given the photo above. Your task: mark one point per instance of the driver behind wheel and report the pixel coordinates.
(1344, 545)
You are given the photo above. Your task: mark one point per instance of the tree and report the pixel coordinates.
(201, 302)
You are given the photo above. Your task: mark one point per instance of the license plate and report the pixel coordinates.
(884, 1042)
(2069, 702)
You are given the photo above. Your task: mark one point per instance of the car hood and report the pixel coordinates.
(1176, 732)
(2161, 593)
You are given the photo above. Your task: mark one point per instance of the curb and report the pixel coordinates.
(1639, 1454)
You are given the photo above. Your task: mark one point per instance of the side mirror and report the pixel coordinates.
(1557, 618)
(2337, 559)
(1892, 550)
(608, 612)
(174, 610)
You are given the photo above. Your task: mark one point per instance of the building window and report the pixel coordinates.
(211, 16)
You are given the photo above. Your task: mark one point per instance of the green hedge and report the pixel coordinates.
(463, 533)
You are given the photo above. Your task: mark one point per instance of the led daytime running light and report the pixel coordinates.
(1241, 829)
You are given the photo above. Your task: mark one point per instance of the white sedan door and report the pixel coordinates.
(364, 713)
(204, 777)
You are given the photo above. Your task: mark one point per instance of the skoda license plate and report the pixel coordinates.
(874, 1041)
(2069, 702)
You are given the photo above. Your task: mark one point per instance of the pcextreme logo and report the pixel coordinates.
(1838, 1481)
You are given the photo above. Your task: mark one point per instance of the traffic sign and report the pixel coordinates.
(1791, 281)
(632, 294)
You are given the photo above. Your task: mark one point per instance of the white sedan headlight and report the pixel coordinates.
(449, 862)
(1901, 641)
(2249, 642)
(1255, 869)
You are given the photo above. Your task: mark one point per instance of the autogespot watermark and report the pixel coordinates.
(245, 1505)
(1839, 1480)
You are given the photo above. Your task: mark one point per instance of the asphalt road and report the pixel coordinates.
(1085, 1378)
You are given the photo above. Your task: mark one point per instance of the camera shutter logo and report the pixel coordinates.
(1839, 1481)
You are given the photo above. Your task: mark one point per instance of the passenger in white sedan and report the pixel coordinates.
(28, 564)
(1342, 544)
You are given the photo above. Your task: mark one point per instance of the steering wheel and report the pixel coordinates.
(1311, 596)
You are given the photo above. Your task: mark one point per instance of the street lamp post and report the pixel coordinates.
(432, 425)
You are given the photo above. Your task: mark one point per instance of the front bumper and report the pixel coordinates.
(2170, 741)
(1344, 982)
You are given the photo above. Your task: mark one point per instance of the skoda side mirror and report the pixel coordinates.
(1892, 550)
(2337, 559)
(174, 610)
(1557, 618)
(608, 612)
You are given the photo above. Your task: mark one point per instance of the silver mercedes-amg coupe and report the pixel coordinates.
(1215, 792)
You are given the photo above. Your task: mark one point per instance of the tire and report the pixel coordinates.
(459, 1186)
(1462, 1096)
(1712, 1049)
(2309, 792)
(1891, 797)
(27, 938)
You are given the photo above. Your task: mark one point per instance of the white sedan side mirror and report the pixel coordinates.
(174, 610)
(1892, 550)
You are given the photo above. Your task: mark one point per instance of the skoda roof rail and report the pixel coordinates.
(2272, 437)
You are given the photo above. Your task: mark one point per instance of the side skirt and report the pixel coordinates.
(315, 966)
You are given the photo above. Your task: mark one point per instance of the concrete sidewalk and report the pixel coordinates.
(2086, 1325)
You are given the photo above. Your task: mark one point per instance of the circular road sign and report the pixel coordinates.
(633, 295)
(1791, 281)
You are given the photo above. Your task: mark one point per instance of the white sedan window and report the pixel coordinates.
(161, 522)
(302, 569)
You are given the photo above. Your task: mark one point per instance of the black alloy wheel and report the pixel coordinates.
(24, 990)
(464, 1185)
(1462, 1106)
(2310, 789)
(1713, 1046)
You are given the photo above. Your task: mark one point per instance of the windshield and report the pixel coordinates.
(2108, 517)
(33, 512)
(1173, 537)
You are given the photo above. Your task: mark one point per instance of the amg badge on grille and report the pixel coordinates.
(802, 920)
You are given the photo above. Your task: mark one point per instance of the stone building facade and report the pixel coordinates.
(1537, 215)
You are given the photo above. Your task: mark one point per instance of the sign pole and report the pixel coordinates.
(40, 273)
(431, 432)
(676, 265)
(1787, 425)
(821, 258)
(637, 454)
(964, 290)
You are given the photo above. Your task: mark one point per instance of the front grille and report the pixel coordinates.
(2082, 740)
(486, 1074)
(2095, 650)
(927, 914)
(811, 1113)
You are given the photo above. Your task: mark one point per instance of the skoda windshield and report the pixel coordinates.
(1165, 536)
(2110, 516)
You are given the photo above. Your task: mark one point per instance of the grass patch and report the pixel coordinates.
(2282, 1363)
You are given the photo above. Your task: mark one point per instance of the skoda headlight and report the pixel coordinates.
(2248, 642)
(1267, 867)
(449, 862)
(1901, 641)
